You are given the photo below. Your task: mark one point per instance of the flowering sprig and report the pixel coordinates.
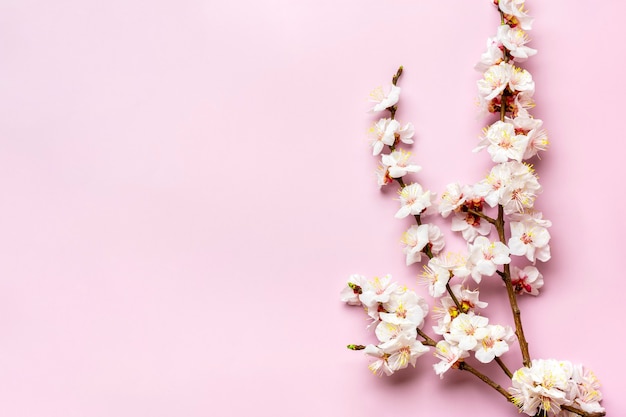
(497, 219)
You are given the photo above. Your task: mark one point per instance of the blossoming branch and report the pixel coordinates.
(497, 219)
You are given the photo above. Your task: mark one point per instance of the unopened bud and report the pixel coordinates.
(355, 288)
(356, 347)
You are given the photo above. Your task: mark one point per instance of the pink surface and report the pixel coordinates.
(187, 185)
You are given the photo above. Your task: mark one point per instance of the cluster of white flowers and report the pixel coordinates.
(463, 328)
(397, 313)
(511, 184)
(394, 165)
(548, 384)
(470, 332)
(500, 225)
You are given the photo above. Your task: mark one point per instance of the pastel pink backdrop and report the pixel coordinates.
(186, 187)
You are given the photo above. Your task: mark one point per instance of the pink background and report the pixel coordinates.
(186, 187)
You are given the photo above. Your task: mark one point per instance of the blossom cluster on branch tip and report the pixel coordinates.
(550, 384)
(396, 314)
(504, 233)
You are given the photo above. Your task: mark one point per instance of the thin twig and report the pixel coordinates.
(581, 412)
(456, 301)
(504, 368)
(464, 366)
(428, 340)
(481, 215)
(506, 277)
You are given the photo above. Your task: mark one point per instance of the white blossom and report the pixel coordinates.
(521, 80)
(587, 395)
(453, 198)
(436, 277)
(379, 365)
(351, 292)
(470, 226)
(495, 342)
(495, 80)
(398, 163)
(405, 134)
(492, 187)
(383, 99)
(405, 307)
(417, 238)
(532, 128)
(511, 184)
(403, 351)
(375, 292)
(530, 215)
(388, 131)
(384, 132)
(385, 331)
(503, 142)
(449, 355)
(413, 200)
(382, 176)
(492, 56)
(522, 102)
(466, 330)
(469, 301)
(515, 40)
(531, 240)
(485, 256)
(516, 13)
(545, 386)
(527, 280)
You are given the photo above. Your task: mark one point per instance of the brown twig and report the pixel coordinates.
(504, 368)
(464, 366)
